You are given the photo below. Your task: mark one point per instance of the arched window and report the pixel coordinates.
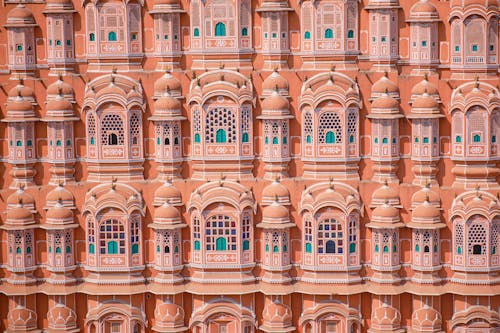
(19, 143)
(477, 249)
(350, 34)
(220, 29)
(196, 32)
(220, 136)
(328, 33)
(135, 248)
(112, 247)
(308, 248)
(330, 246)
(197, 138)
(244, 32)
(92, 249)
(458, 139)
(245, 137)
(330, 122)
(330, 137)
(220, 233)
(112, 139)
(112, 237)
(330, 237)
(167, 141)
(58, 249)
(197, 246)
(275, 141)
(308, 139)
(92, 37)
(111, 36)
(477, 138)
(221, 244)
(307, 35)
(386, 249)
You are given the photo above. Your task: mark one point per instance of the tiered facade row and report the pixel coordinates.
(228, 166)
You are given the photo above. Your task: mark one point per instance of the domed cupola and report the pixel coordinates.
(167, 193)
(277, 317)
(169, 317)
(384, 116)
(21, 196)
(21, 319)
(385, 195)
(385, 318)
(167, 83)
(62, 318)
(426, 319)
(276, 192)
(385, 223)
(275, 82)
(276, 122)
(167, 118)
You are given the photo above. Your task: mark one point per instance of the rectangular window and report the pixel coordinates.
(274, 35)
(492, 47)
(68, 42)
(19, 47)
(265, 35)
(383, 39)
(374, 39)
(165, 37)
(474, 48)
(424, 43)
(414, 44)
(283, 35)
(457, 48)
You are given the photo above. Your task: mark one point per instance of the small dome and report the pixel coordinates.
(425, 194)
(275, 102)
(385, 211)
(167, 103)
(426, 319)
(19, 105)
(59, 213)
(60, 87)
(423, 10)
(423, 87)
(167, 193)
(275, 82)
(168, 82)
(22, 91)
(384, 85)
(167, 213)
(60, 194)
(61, 317)
(20, 197)
(385, 194)
(425, 101)
(277, 313)
(20, 16)
(386, 316)
(20, 318)
(275, 211)
(385, 103)
(275, 192)
(19, 215)
(426, 211)
(60, 104)
(168, 314)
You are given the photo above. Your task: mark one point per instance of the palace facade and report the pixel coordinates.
(239, 166)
